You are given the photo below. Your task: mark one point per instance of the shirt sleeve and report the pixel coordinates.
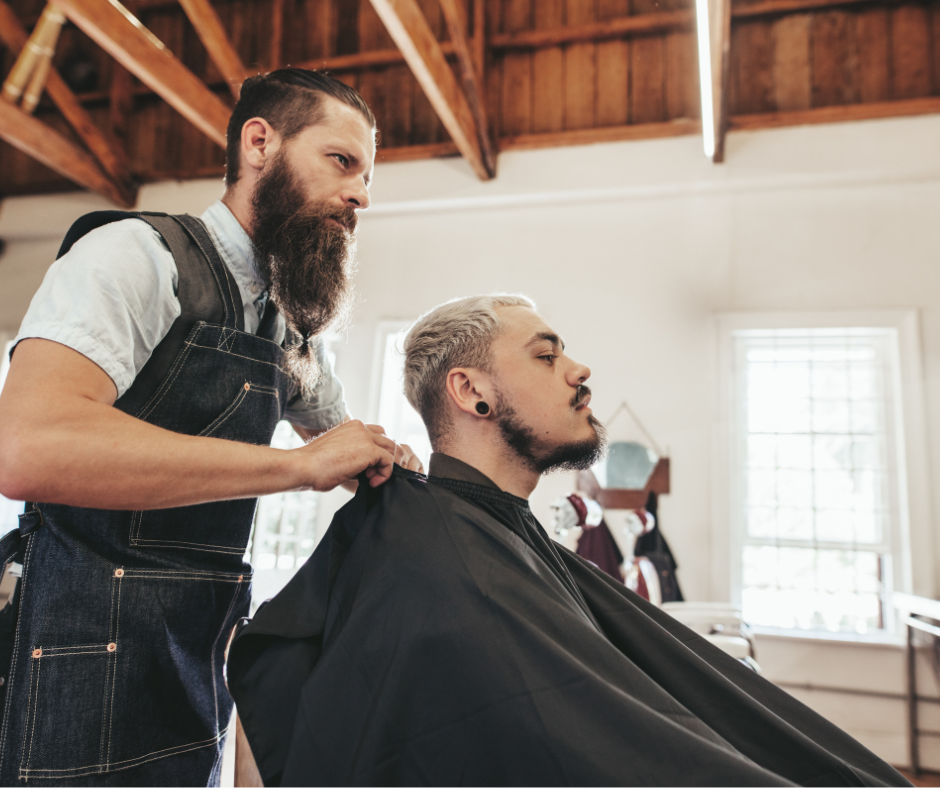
(326, 407)
(112, 298)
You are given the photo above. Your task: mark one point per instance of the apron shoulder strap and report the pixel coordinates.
(207, 290)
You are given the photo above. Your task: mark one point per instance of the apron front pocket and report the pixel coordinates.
(69, 690)
(153, 692)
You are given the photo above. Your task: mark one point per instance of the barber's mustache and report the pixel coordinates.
(580, 395)
(345, 216)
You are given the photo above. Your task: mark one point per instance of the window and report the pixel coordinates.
(819, 495)
(285, 529)
(390, 406)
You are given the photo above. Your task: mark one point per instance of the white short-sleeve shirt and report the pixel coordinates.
(113, 298)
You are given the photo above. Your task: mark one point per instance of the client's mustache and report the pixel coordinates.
(580, 395)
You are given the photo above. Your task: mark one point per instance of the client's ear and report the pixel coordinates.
(467, 388)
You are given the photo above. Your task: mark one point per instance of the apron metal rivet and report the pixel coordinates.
(247, 387)
(2, 681)
(37, 653)
(240, 578)
(112, 646)
(119, 573)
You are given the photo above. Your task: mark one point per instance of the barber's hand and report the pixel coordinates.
(406, 458)
(344, 452)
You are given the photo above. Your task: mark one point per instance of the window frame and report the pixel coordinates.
(382, 330)
(912, 569)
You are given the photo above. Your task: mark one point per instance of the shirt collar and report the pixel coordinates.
(235, 246)
(446, 467)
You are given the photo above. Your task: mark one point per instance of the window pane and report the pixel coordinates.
(795, 488)
(761, 488)
(794, 451)
(285, 523)
(762, 451)
(762, 522)
(832, 590)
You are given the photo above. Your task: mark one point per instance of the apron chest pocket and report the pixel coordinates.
(224, 526)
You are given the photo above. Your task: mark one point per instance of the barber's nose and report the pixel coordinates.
(358, 198)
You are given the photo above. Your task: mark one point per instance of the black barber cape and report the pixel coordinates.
(437, 636)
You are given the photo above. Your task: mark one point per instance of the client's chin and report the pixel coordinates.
(576, 455)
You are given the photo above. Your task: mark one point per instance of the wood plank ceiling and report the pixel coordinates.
(448, 77)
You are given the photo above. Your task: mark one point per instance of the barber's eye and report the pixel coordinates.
(549, 358)
(341, 159)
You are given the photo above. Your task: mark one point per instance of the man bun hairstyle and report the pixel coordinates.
(288, 99)
(458, 333)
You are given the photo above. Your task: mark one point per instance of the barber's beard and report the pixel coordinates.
(306, 261)
(571, 456)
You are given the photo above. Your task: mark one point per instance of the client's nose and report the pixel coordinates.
(579, 374)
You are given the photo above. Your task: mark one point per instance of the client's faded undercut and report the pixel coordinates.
(456, 334)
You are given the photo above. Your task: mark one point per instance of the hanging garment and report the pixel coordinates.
(438, 636)
(654, 546)
(598, 546)
(116, 674)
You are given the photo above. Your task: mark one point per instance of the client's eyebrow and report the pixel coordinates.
(546, 336)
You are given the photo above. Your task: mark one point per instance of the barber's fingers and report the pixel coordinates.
(380, 472)
(384, 442)
(408, 459)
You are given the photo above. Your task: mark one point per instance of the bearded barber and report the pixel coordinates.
(148, 376)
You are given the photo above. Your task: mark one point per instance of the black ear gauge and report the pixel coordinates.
(483, 408)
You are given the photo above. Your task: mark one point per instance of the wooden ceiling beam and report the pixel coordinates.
(455, 16)
(43, 143)
(843, 113)
(413, 35)
(112, 27)
(774, 7)
(620, 27)
(109, 153)
(209, 28)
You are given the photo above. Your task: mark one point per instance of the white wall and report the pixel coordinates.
(631, 250)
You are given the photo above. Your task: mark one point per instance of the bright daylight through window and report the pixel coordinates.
(393, 412)
(817, 451)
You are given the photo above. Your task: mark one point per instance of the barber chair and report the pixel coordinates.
(721, 625)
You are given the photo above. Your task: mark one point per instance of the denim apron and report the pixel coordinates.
(116, 674)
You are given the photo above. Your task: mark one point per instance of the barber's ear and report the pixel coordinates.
(259, 141)
(467, 388)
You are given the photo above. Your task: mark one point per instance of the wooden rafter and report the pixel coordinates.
(121, 35)
(621, 27)
(413, 35)
(213, 36)
(47, 146)
(471, 77)
(108, 152)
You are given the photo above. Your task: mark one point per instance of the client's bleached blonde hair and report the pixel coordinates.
(455, 334)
